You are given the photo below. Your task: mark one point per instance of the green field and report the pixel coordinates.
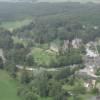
(15, 24)
(8, 88)
(42, 57)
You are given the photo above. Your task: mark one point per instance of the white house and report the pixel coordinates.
(91, 53)
(76, 43)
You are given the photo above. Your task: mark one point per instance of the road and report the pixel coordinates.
(2, 55)
(42, 69)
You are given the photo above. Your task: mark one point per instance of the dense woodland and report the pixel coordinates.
(76, 11)
(51, 23)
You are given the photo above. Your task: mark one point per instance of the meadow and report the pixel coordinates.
(8, 87)
(10, 25)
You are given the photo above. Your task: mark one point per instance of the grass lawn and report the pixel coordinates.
(42, 57)
(45, 98)
(8, 87)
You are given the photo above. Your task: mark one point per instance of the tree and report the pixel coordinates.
(56, 91)
(65, 73)
(25, 77)
(19, 46)
(82, 49)
(1, 63)
(42, 84)
(95, 90)
(11, 67)
(6, 41)
(79, 89)
(27, 93)
(30, 60)
(30, 96)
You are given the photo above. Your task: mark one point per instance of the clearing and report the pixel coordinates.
(10, 25)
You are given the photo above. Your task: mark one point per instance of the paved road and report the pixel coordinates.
(42, 69)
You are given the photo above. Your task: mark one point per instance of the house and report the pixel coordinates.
(90, 44)
(91, 53)
(87, 73)
(76, 43)
(54, 47)
(89, 77)
(90, 83)
(66, 45)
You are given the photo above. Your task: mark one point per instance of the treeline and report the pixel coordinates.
(6, 41)
(82, 12)
(50, 28)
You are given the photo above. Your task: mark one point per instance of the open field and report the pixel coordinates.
(8, 88)
(15, 24)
